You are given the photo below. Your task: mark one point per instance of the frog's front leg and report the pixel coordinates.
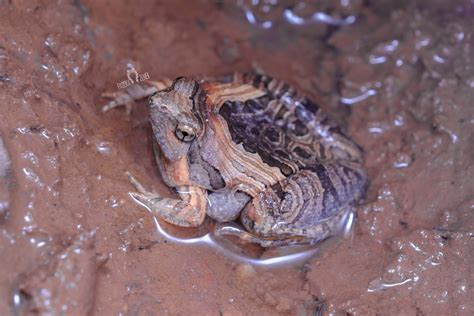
(135, 92)
(189, 211)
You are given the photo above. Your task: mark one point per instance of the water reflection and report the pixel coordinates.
(266, 13)
(271, 257)
(320, 17)
(358, 98)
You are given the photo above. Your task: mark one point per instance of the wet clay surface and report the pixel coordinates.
(400, 78)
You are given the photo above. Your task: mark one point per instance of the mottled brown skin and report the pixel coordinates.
(254, 147)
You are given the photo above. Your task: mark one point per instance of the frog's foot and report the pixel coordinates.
(127, 97)
(190, 211)
(265, 242)
(283, 233)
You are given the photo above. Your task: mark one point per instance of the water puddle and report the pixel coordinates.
(277, 256)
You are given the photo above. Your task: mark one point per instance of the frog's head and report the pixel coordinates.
(173, 119)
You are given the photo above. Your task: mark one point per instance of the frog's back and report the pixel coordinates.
(291, 132)
(285, 128)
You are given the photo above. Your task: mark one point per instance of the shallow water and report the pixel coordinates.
(215, 238)
(398, 75)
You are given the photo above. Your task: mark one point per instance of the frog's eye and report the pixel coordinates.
(185, 133)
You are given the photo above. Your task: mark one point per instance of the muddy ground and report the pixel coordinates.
(400, 79)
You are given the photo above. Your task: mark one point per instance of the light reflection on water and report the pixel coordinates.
(320, 17)
(274, 257)
(266, 13)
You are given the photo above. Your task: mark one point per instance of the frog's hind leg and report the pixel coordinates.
(189, 211)
(138, 91)
(230, 230)
(312, 203)
(284, 236)
(317, 232)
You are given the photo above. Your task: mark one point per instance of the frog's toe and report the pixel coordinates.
(148, 200)
(128, 97)
(140, 188)
(118, 99)
(143, 196)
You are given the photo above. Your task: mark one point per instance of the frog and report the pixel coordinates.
(252, 149)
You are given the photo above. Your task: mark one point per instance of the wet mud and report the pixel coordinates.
(398, 75)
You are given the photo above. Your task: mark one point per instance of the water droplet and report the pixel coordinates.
(423, 42)
(391, 46)
(378, 285)
(399, 120)
(113, 202)
(8, 236)
(321, 17)
(37, 237)
(461, 286)
(375, 60)
(31, 157)
(104, 148)
(28, 217)
(358, 98)
(375, 130)
(33, 177)
(402, 161)
(439, 59)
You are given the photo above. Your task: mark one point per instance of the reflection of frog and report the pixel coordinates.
(251, 146)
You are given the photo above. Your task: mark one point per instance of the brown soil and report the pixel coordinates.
(72, 240)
